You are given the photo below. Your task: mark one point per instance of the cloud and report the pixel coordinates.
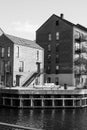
(24, 27)
(21, 29)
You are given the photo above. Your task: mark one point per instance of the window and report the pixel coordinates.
(77, 34)
(37, 55)
(48, 80)
(49, 47)
(8, 51)
(17, 51)
(57, 69)
(8, 67)
(49, 58)
(3, 52)
(57, 58)
(57, 35)
(48, 69)
(2, 67)
(57, 22)
(49, 37)
(56, 81)
(21, 66)
(77, 46)
(57, 47)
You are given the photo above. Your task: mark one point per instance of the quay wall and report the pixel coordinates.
(36, 98)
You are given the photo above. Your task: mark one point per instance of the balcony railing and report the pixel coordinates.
(82, 38)
(84, 50)
(80, 60)
(78, 51)
(78, 39)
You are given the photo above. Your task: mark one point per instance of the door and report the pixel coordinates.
(17, 80)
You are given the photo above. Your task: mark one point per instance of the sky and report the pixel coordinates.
(23, 17)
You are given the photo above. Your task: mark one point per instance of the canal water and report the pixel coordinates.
(47, 119)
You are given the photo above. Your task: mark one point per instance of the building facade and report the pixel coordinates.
(58, 38)
(21, 61)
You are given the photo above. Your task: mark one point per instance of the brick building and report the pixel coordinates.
(64, 59)
(21, 61)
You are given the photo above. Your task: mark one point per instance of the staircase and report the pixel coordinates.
(31, 78)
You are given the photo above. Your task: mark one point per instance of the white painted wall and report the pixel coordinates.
(29, 56)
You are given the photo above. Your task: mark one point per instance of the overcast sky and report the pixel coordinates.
(23, 17)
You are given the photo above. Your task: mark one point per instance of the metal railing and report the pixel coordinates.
(17, 126)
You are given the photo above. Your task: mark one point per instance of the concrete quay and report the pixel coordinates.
(43, 97)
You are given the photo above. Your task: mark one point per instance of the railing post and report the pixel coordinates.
(32, 104)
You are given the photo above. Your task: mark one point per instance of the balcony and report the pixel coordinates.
(80, 61)
(78, 51)
(83, 38)
(80, 39)
(80, 72)
(84, 50)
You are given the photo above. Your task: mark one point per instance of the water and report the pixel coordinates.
(58, 119)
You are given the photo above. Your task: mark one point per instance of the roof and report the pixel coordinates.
(23, 42)
(81, 27)
(66, 21)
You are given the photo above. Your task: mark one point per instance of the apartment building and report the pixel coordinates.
(65, 51)
(21, 61)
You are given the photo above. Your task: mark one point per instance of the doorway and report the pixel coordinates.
(17, 80)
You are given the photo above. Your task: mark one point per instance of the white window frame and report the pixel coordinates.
(3, 52)
(9, 51)
(57, 35)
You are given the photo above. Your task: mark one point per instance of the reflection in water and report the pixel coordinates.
(56, 119)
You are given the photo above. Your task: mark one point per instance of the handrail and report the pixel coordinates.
(28, 76)
(17, 126)
(34, 75)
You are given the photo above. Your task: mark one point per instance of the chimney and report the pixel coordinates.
(61, 16)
